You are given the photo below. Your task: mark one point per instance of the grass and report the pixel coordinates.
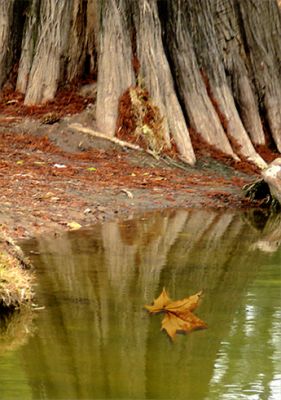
(15, 277)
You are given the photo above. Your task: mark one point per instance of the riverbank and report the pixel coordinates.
(51, 176)
(15, 276)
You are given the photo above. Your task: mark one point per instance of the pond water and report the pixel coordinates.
(95, 340)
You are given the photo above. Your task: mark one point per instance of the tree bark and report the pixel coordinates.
(235, 63)
(156, 74)
(115, 71)
(262, 23)
(212, 66)
(30, 35)
(91, 37)
(201, 20)
(192, 90)
(77, 40)
(49, 58)
(6, 55)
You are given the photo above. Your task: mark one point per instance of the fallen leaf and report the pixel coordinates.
(73, 225)
(160, 303)
(178, 314)
(91, 169)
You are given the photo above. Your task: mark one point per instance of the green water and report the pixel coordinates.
(94, 340)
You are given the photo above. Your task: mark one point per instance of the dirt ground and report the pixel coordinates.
(51, 176)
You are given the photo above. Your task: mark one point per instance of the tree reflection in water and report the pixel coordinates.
(95, 340)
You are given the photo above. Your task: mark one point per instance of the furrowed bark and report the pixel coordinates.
(262, 24)
(91, 37)
(156, 74)
(77, 40)
(6, 55)
(49, 61)
(115, 71)
(201, 20)
(198, 106)
(235, 63)
(28, 45)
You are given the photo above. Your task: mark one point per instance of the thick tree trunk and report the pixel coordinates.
(6, 55)
(211, 65)
(77, 40)
(115, 71)
(91, 37)
(30, 35)
(192, 90)
(156, 74)
(235, 63)
(262, 22)
(201, 20)
(49, 61)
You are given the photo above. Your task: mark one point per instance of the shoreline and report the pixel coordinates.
(51, 176)
(53, 180)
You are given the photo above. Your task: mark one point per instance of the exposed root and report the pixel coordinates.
(258, 191)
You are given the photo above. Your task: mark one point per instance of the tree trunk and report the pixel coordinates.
(262, 24)
(30, 35)
(49, 59)
(6, 55)
(156, 74)
(202, 24)
(91, 35)
(77, 40)
(235, 63)
(212, 67)
(192, 90)
(115, 71)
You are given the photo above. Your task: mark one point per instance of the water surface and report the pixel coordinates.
(94, 340)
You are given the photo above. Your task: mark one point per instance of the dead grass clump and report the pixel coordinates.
(15, 283)
(140, 121)
(15, 278)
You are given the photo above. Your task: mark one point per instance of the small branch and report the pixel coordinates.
(119, 142)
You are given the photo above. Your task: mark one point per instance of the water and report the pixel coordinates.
(94, 340)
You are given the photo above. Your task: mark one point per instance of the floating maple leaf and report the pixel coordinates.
(179, 316)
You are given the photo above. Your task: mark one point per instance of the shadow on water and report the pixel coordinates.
(95, 340)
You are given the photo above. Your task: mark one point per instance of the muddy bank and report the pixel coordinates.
(51, 175)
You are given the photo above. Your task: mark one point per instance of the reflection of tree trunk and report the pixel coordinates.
(208, 255)
(271, 235)
(150, 242)
(95, 283)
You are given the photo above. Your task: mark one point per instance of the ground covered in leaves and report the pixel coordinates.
(52, 176)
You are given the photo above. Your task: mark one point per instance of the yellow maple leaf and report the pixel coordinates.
(160, 303)
(178, 314)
